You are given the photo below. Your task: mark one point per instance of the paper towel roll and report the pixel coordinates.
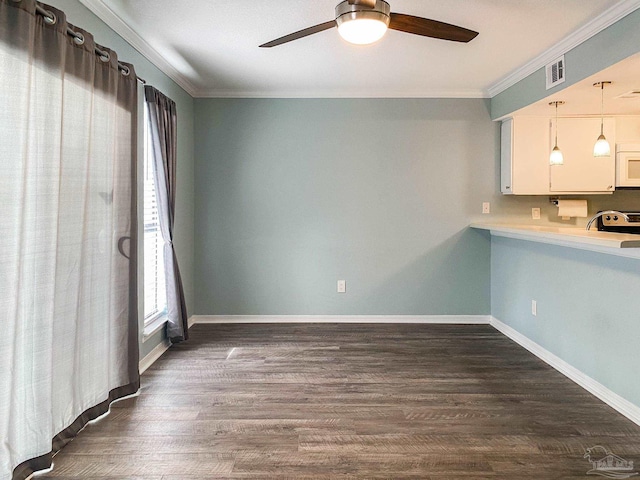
(572, 208)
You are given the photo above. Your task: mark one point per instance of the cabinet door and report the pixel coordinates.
(582, 172)
(506, 155)
(530, 165)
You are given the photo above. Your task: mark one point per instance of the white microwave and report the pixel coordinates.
(628, 165)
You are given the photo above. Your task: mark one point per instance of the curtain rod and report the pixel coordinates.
(51, 19)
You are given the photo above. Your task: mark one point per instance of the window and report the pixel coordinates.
(155, 292)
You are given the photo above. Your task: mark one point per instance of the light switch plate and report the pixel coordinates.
(535, 213)
(342, 286)
(486, 207)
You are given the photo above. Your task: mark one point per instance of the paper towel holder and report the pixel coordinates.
(570, 208)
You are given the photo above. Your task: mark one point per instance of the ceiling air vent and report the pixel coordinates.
(555, 72)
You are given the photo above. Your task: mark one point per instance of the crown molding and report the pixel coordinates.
(109, 17)
(344, 94)
(582, 34)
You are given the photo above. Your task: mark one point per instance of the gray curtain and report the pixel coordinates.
(68, 258)
(162, 118)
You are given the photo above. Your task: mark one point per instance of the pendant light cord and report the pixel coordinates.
(602, 108)
(556, 143)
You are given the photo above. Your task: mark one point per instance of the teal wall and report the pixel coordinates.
(292, 195)
(79, 15)
(588, 307)
(615, 43)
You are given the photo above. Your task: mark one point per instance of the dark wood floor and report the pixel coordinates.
(348, 401)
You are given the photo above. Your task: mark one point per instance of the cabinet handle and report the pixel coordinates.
(609, 187)
(507, 187)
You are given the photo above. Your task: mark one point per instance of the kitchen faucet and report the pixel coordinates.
(606, 212)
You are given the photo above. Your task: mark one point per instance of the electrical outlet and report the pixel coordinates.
(342, 286)
(535, 213)
(486, 207)
(534, 308)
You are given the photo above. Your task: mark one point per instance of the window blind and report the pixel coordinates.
(155, 294)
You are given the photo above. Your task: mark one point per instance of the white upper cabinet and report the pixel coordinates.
(524, 156)
(582, 172)
(506, 153)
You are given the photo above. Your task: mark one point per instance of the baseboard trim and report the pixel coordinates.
(153, 355)
(615, 401)
(159, 349)
(427, 319)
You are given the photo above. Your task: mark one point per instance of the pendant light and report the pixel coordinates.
(556, 157)
(602, 147)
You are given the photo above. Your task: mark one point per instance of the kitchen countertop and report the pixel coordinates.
(621, 244)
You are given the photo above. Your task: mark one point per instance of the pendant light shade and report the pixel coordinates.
(556, 157)
(602, 147)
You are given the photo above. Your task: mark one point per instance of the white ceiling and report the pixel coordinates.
(211, 46)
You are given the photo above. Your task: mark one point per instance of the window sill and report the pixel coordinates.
(152, 327)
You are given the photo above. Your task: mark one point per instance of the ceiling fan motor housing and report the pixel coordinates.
(346, 11)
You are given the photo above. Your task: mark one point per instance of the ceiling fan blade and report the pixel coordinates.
(300, 34)
(430, 28)
(366, 3)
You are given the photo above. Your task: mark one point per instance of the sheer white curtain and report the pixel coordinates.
(67, 262)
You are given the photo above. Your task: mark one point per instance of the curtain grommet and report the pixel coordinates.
(78, 38)
(50, 18)
(105, 57)
(125, 71)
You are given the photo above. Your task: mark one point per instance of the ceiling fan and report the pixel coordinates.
(365, 21)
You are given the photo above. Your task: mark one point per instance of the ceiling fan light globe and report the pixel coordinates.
(360, 24)
(602, 147)
(556, 157)
(362, 31)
